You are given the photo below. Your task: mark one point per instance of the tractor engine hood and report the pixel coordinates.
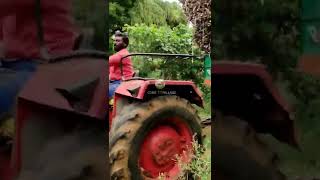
(146, 89)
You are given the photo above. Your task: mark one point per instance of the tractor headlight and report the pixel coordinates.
(160, 84)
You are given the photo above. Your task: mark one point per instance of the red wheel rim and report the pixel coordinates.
(161, 145)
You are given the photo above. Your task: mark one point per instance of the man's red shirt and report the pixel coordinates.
(114, 66)
(20, 29)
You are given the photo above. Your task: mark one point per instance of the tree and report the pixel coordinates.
(199, 13)
(119, 13)
(149, 12)
(264, 31)
(157, 12)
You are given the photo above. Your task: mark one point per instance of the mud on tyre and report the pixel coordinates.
(144, 137)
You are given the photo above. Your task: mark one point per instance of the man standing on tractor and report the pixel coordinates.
(121, 42)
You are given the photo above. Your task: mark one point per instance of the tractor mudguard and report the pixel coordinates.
(145, 89)
(74, 84)
(247, 91)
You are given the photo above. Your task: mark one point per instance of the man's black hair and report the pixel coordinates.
(124, 36)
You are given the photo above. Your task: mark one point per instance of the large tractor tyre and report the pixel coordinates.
(239, 154)
(76, 156)
(145, 138)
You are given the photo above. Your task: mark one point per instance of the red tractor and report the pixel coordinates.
(60, 126)
(151, 121)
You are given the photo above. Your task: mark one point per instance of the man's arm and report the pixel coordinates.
(114, 59)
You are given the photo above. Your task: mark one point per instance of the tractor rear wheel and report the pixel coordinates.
(145, 138)
(239, 154)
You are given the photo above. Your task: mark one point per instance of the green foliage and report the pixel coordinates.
(149, 12)
(160, 38)
(200, 166)
(157, 12)
(144, 11)
(303, 92)
(298, 84)
(119, 13)
(163, 39)
(257, 30)
(206, 112)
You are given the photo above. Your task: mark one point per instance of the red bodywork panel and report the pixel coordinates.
(40, 91)
(142, 84)
(123, 88)
(226, 67)
(276, 116)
